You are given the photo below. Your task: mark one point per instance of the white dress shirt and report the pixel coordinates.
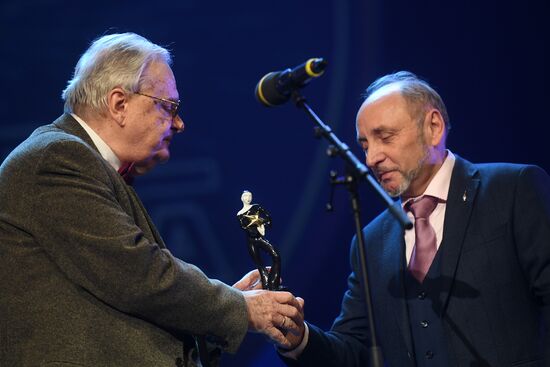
(105, 151)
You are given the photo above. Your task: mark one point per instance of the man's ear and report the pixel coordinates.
(117, 105)
(435, 127)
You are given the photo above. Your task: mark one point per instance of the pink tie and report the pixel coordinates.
(425, 245)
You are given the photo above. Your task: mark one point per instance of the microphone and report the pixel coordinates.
(275, 88)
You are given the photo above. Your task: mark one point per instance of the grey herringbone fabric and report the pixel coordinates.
(85, 278)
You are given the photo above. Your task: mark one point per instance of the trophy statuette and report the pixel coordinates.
(253, 220)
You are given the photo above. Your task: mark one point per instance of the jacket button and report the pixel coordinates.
(424, 324)
(421, 295)
(429, 354)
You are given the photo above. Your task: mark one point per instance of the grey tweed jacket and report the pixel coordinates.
(85, 278)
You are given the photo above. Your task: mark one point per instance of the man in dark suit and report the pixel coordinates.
(85, 278)
(470, 285)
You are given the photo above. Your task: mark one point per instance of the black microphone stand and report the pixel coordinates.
(357, 171)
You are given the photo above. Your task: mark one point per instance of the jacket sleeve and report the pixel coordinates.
(80, 223)
(532, 237)
(345, 345)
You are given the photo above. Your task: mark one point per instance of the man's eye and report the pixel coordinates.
(171, 109)
(168, 108)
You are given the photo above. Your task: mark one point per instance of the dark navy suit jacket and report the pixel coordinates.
(493, 294)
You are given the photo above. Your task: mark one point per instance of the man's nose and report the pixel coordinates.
(177, 124)
(373, 157)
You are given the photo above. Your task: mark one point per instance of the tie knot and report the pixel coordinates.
(126, 172)
(423, 207)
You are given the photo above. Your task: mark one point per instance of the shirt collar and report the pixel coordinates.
(439, 186)
(105, 151)
(440, 183)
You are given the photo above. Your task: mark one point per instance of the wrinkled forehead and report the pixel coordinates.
(159, 76)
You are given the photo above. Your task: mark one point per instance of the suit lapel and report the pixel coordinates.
(460, 201)
(462, 192)
(156, 235)
(393, 252)
(68, 124)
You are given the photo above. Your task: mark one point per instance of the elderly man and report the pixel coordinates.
(470, 285)
(85, 278)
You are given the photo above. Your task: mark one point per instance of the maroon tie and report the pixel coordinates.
(425, 245)
(126, 172)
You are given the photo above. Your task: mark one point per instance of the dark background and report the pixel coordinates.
(488, 60)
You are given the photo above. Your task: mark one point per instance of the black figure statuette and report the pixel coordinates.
(254, 219)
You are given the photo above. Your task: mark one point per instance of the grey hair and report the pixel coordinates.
(114, 60)
(417, 92)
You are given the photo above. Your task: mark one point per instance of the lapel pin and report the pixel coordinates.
(464, 197)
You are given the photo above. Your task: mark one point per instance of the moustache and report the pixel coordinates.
(379, 171)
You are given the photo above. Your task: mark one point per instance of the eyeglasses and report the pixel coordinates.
(172, 107)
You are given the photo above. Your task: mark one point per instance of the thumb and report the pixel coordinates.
(248, 281)
(301, 302)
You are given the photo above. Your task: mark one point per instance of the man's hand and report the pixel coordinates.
(278, 315)
(295, 339)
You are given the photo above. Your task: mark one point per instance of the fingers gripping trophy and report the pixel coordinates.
(254, 219)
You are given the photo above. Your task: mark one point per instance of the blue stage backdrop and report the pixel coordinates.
(488, 60)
